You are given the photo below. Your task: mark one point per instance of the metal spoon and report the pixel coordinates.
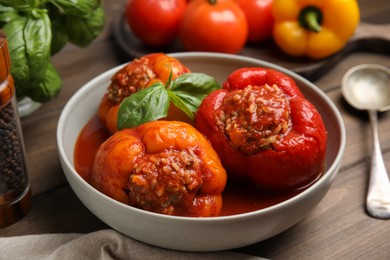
(367, 87)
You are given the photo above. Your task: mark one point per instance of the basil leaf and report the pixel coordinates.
(7, 14)
(20, 5)
(17, 49)
(80, 8)
(48, 88)
(59, 36)
(192, 88)
(37, 35)
(29, 41)
(81, 31)
(179, 103)
(146, 105)
(37, 29)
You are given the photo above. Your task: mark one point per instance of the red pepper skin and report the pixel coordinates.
(295, 160)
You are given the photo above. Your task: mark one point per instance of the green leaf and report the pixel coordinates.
(29, 40)
(192, 88)
(81, 31)
(48, 88)
(79, 8)
(146, 105)
(59, 36)
(37, 35)
(17, 49)
(20, 5)
(7, 14)
(37, 29)
(179, 103)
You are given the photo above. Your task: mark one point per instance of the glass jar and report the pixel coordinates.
(15, 194)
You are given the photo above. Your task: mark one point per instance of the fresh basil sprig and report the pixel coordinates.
(186, 92)
(36, 30)
(147, 105)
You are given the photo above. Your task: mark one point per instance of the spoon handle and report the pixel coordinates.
(378, 196)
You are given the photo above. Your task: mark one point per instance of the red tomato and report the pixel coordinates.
(259, 17)
(155, 22)
(213, 25)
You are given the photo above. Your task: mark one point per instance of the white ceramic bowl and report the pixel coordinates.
(198, 234)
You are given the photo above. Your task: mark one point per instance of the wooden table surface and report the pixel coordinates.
(338, 228)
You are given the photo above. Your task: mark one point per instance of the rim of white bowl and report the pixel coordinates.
(328, 174)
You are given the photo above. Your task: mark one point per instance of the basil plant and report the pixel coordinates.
(36, 30)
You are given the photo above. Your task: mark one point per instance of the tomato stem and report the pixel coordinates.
(213, 2)
(311, 18)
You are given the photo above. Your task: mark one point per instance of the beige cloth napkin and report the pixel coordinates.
(104, 244)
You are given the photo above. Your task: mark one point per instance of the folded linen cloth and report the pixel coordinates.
(104, 244)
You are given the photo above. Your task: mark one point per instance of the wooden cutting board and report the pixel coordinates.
(367, 37)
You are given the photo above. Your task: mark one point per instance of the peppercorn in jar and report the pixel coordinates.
(15, 195)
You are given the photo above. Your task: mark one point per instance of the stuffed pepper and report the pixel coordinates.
(264, 130)
(135, 76)
(166, 167)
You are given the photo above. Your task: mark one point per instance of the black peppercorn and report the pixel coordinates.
(15, 195)
(11, 163)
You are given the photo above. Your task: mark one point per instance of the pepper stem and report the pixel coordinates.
(311, 18)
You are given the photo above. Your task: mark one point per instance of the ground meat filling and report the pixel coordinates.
(254, 118)
(165, 182)
(130, 79)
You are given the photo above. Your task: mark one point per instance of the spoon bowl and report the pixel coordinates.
(367, 87)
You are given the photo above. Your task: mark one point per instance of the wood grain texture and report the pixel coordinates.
(338, 228)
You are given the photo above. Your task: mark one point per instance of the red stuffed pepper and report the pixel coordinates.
(264, 130)
(161, 166)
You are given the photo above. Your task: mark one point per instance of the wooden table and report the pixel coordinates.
(338, 228)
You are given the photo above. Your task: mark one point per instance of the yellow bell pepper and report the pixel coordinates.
(314, 28)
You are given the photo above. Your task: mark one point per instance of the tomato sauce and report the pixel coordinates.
(237, 198)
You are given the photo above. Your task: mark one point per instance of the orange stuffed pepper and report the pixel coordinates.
(137, 75)
(166, 167)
